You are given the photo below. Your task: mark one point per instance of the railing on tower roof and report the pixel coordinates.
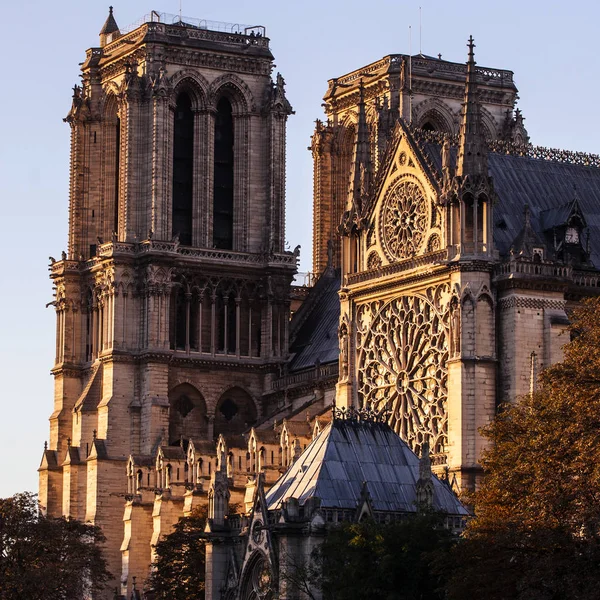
(170, 19)
(425, 64)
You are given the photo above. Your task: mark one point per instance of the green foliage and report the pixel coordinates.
(178, 573)
(46, 558)
(363, 561)
(536, 534)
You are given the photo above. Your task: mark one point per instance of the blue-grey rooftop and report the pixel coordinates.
(314, 326)
(549, 187)
(344, 457)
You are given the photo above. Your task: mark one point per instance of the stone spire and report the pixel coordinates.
(472, 149)
(362, 156)
(110, 27)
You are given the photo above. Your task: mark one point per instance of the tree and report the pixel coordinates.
(536, 531)
(179, 568)
(389, 561)
(46, 558)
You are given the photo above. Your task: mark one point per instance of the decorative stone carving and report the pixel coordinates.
(373, 261)
(402, 350)
(404, 219)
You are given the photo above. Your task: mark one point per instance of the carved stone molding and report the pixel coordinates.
(533, 303)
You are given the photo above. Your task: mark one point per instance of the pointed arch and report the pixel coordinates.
(490, 127)
(236, 90)
(194, 84)
(434, 115)
(187, 414)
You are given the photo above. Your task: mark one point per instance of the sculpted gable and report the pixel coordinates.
(405, 219)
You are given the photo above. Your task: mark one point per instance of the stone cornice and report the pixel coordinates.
(69, 370)
(193, 359)
(532, 303)
(414, 280)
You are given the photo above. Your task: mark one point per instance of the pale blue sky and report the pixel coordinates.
(551, 46)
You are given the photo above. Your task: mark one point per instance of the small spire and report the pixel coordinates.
(425, 463)
(472, 148)
(110, 27)
(362, 155)
(297, 450)
(46, 446)
(94, 433)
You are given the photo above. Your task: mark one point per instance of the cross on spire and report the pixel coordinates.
(472, 148)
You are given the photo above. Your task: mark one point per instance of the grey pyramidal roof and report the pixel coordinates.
(110, 25)
(347, 455)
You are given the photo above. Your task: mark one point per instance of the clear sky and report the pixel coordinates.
(552, 47)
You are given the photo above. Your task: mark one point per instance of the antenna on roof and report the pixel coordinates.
(410, 74)
(180, 20)
(420, 32)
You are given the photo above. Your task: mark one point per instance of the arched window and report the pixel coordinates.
(428, 126)
(117, 178)
(112, 159)
(235, 413)
(187, 414)
(183, 169)
(223, 177)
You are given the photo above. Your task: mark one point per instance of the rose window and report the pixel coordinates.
(404, 220)
(402, 354)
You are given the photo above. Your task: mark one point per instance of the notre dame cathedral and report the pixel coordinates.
(191, 370)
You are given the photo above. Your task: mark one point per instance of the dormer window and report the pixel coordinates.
(571, 235)
(538, 254)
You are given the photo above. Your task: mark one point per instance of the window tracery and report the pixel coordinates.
(402, 365)
(258, 583)
(404, 219)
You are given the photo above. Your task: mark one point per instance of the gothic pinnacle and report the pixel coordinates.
(472, 148)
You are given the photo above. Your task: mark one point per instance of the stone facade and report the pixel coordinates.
(175, 276)
(426, 92)
(180, 379)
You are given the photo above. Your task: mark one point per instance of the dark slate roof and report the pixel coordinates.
(204, 446)
(346, 455)
(110, 25)
(545, 185)
(267, 436)
(143, 460)
(314, 326)
(173, 452)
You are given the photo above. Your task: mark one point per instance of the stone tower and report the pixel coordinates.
(172, 299)
(417, 319)
(427, 93)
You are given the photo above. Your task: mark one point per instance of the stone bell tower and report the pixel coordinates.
(468, 197)
(172, 299)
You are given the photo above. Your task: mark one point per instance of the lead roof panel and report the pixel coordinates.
(364, 452)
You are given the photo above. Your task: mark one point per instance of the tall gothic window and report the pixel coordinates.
(223, 177)
(183, 169)
(117, 178)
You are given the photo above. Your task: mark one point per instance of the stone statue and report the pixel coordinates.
(343, 353)
(446, 166)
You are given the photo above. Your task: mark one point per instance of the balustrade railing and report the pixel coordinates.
(216, 31)
(318, 372)
(533, 269)
(113, 248)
